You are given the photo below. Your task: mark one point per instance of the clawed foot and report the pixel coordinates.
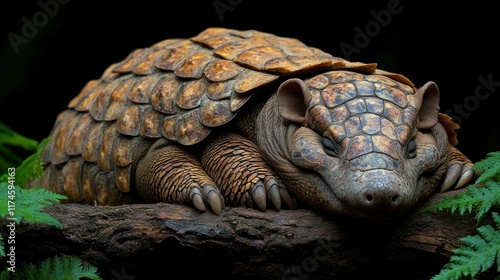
(231, 172)
(241, 174)
(208, 195)
(271, 191)
(262, 192)
(459, 172)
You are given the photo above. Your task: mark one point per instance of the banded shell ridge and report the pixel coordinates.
(179, 89)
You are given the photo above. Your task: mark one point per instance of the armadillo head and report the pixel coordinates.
(371, 147)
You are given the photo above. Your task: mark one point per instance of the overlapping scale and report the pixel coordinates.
(100, 106)
(129, 63)
(146, 65)
(89, 87)
(174, 57)
(74, 143)
(193, 65)
(67, 121)
(188, 129)
(163, 97)
(181, 89)
(363, 114)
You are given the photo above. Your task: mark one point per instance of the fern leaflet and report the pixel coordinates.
(30, 168)
(489, 167)
(67, 268)
(10, 138)
(477, 255)
(2, 250)
(29, 204)
(475, 199)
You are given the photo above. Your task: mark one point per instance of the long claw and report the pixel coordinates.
(214, 202)
(452, 175)
(214, 199)
(285, 196)
(273, 193)
(259, 196)
(466, 177)
(197, 199)
(274, 197)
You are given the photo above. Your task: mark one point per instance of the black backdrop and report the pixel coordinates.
(52, 48)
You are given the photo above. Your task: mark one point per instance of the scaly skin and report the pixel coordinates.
(360, 146)
(195, 121)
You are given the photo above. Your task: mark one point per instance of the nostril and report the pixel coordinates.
(381, 198)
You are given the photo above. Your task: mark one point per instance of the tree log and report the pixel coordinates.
(143, 241)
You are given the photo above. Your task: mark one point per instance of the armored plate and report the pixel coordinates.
(179, 89)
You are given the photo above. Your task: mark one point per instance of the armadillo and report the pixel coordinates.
(248, 118)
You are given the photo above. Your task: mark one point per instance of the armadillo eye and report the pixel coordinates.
(412, 149)
(329, 147)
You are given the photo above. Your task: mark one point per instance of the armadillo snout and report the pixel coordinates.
(387, 200)
(378, 192)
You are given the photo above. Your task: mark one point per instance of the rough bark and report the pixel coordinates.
(175, 241)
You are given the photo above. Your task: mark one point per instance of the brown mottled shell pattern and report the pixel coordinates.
(179, 89)
(363, 113)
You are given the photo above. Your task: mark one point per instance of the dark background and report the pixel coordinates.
(451, 45)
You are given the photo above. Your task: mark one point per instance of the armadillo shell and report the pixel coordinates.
(179, 89)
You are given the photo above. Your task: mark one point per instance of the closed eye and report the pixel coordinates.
(411, 149)
(329, 147)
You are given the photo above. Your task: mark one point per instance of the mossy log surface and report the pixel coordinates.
(145, 241)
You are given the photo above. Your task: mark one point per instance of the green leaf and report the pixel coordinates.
(5, 275)
(477, 255)
(477, 199)
(2, 249)
(12, 138)
(9, 138)
(28, 204)
(489, 167)
(29, 169)
(68, 268)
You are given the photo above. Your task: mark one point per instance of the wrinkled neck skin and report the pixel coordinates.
(326, 183)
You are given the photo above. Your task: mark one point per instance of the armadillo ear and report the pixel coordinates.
(293, 100)
(428, 98)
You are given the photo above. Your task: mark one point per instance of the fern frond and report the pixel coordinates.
(5, 275)
(491, 190)
(10, 138)
(68, 268)
(30, 168)
(489, 167)
(2, 248)
(477, 255)
(29, 204)
(477, 199)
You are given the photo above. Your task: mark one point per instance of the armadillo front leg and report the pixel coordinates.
(169, 174)
(241, 174)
